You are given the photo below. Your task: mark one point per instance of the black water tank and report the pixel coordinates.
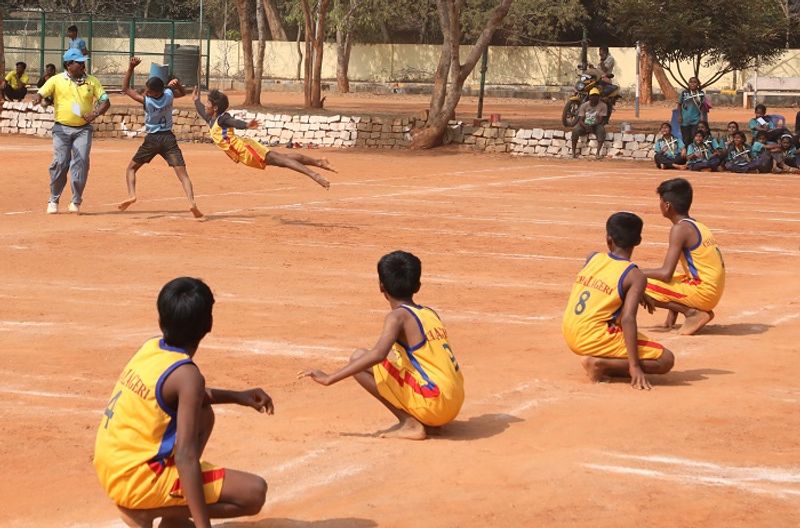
(183, 61)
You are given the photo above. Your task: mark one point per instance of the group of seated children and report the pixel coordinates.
(599, 322)
(773, 149)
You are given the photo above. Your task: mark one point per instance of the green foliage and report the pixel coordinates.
(528, 21)
(725, 35)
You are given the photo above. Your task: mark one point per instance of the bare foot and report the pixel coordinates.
(681, 167)
(320, 180)
(323, 163)
(408, 429)
(695, 320)
(135, 518)
(594, 372)
(126, 203)
(196, 212)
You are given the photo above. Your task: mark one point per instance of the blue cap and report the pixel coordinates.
(73, 54)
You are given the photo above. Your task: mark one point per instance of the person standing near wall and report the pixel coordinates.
(79, 99)
(75, 42)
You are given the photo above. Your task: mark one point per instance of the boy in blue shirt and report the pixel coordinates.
(670, 150)
(760, 151)
(76, 42)
(157, 102)
(690, 109)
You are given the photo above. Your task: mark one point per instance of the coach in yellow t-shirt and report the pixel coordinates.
(78, 100)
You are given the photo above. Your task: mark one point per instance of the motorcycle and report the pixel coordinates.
(586, 81)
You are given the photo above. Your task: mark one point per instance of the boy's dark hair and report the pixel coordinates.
(156, 84)
(218, 100)
(762, 107)
(740, 134)
(678, 192)
(761, 134)
(399, 272)
(73, 28)
(20, 63)
(51, 65)
(625, 229)
(667, 124)
(604, 48)
(184, 311)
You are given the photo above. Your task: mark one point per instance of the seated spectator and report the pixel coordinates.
(784, 155)
(762, 123)
(738, 157)
(591, 115)
(670, 151)
(49, 71)
(701, 156)
(760, 152)
(15, 83)
(727, 139)
(717, 146)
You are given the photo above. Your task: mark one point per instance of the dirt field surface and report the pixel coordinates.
(713, 445)
(516, 112)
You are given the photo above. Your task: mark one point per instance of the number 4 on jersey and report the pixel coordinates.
(109, 412)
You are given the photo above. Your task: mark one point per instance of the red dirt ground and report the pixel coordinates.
(293, 270)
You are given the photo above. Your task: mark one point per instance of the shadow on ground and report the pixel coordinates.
(687, 377)
(344, 522)
(735, 329)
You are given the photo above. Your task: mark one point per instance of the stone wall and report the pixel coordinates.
(338, 131)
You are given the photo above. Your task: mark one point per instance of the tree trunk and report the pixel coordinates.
(646, 76)
(432, 133)
(262, 44)
(669, 92)
(299, 53)
(251, 95)
(443, 68)
(307, 63)
(319, 48)
(274, 20)
(2, 47)
(344, 43)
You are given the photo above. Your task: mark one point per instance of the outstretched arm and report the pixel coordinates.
(255, 398)
(633, 286)
(392, 327)
(678, 239)
(126, 81)
(198, 105)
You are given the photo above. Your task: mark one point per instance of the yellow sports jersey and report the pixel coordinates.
(16, 83)
(240, 149)
(73, 101)
(424, 379)
(703, 281)
(595, 302)
(137, 432)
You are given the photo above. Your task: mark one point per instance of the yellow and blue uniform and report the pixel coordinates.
(590, 325)
(240, 149)
(73, 100)
(424, 379)
(703, 281)
(133, 453)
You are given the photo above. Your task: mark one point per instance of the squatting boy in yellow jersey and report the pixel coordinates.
(411, 369)
(159, 418)
(247, 150)
(600, 318)
(696, 292)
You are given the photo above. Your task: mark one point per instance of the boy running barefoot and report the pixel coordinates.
(246, 150)
(157, 102)
(600, 320)
(696, 291)
(411, 370)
